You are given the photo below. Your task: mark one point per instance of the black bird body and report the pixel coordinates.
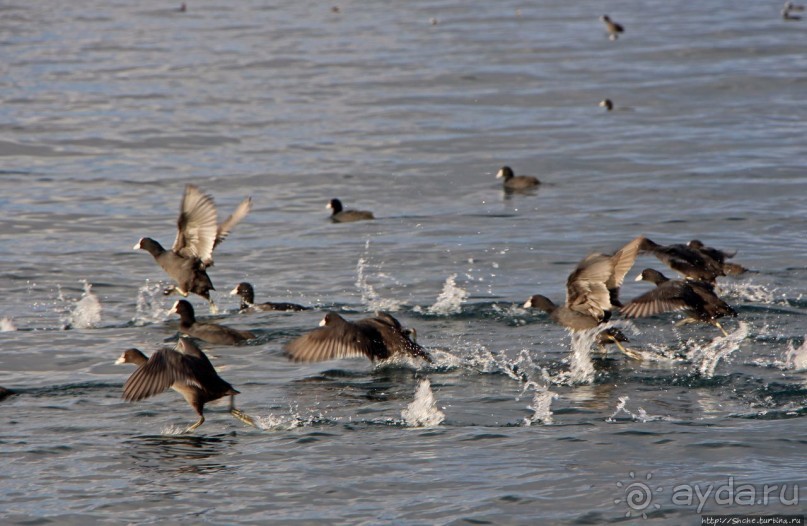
(207, 332)
(340, 215)
(516, 182)
(697, 299)
(187, 370)
(690, 263)
(612, 27)
(719, 257)
(377, 338)
(247, 294)
(188, 273)
(198, 233)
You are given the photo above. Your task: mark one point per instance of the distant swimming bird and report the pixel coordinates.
(612, 27)
(592, 290)
(338, 215)
(788, 8)
(720, 257)
(185, 369)
(198, 233)
(247, 294)
(516, 182)
(207, 332)
(182, 7)
(697, 299)
(690, 263)
(377, 338)
(607, 104)
(5, 393)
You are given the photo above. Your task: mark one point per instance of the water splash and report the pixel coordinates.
(423, 411)
(86, 312)
(450, 299)
(640, 416)
(709, 356)
(747, 291)
(581, 368)
(149, 309)
(796, 357)
(173, 430)
(369, 296)
(541, 407)
(7, 325)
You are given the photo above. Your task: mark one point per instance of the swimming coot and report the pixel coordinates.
(207, 332)
(516, 182)
(339, 215)
(247, 294)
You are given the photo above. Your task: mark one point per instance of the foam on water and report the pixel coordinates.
(7, 325)
(286, 422)
(706, 358)
(450, 299)
(86, 312)
(639, 416)
(173, 430)
(423, 411)
(797, 356)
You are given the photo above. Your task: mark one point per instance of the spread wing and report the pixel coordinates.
(341, 340)
(155, 376)
(396, 341)
(622, 262)
(586, 291)
(240, 213)
(665, 298)
(197, 225)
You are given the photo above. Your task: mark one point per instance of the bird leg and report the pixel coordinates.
(717, 324)
(197, 424)
(173, 288)
(627, 352)
(245, 418)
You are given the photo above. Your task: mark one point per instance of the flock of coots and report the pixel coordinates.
(592, 299)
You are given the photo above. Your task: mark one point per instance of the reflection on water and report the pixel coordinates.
(179, 453)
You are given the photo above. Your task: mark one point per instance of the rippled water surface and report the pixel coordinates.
(408, 109)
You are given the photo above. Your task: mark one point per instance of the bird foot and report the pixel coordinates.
(245, 418)
(629, 352)
(194, 426)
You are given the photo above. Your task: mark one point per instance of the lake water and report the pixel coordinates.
(408, 109)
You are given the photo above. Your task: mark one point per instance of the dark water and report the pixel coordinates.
(108, 109)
